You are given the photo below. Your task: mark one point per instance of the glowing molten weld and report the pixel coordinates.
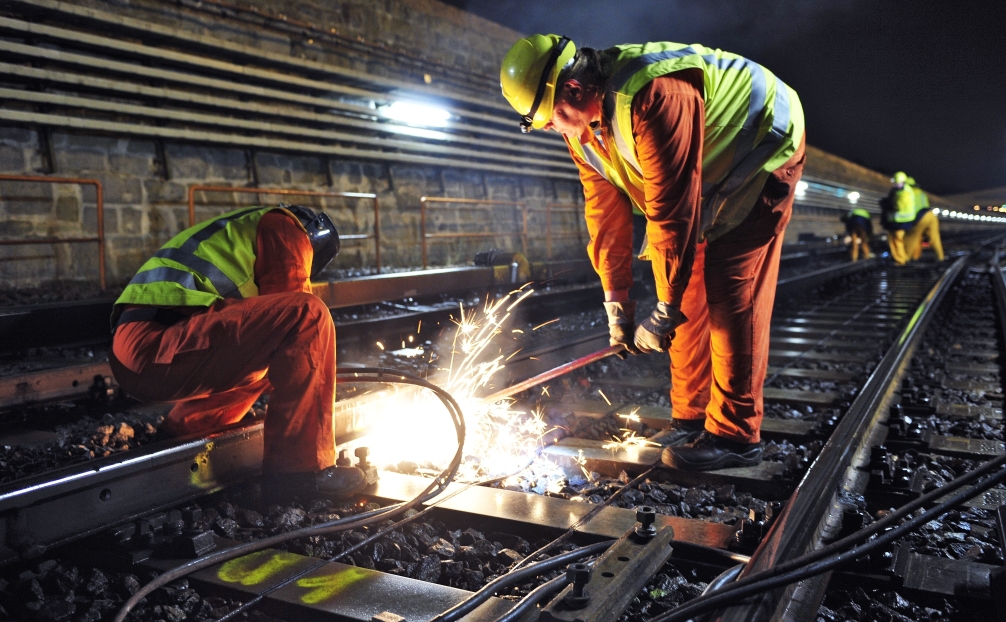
(411, 426)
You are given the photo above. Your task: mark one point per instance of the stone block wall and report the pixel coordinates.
(146, 203)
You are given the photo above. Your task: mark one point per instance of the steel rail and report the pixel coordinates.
(804, 520)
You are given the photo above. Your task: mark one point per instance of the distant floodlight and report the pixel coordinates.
(945, 212)
(801, 188)
(412, 113)
(853, 197)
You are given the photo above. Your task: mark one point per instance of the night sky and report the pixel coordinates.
(893, 85)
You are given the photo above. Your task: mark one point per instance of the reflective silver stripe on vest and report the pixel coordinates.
(223, 283)
(206, 232)
(594, 160)
(756, 102)
(780, 122)
(165, 274)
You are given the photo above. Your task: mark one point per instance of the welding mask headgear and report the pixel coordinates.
(321, 232)
(529, 73)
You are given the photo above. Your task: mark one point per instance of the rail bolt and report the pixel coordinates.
(645, 517)
(343, 459)
(579, 575)
(362, 453)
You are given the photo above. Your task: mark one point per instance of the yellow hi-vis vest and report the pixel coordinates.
(904, 205)
(201, 265)
(858, 211)
(754, 124)
(921, 200)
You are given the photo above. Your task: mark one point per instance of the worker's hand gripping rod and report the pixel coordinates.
(554, 373)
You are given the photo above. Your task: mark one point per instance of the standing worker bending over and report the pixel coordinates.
(224, 312)
(709, 146)
(859, 227)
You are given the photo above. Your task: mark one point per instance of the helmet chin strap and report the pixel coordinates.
(527, 120)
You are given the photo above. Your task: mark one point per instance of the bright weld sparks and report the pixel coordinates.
(631, 416)
(629, 440)
(411, 426)
(545, 324)
(544, 391)
(604, 396)
(380, 345)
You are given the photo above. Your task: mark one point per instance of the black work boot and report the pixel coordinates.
(709, 452)
(337, 482)
(680, 431)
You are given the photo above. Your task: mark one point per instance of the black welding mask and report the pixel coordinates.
(322, 233)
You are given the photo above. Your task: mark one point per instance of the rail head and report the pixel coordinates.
(799, 527)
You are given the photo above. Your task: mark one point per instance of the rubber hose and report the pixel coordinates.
(864, 534)
(342, 524)
(538, 594)
(528, 572)
(757, 583)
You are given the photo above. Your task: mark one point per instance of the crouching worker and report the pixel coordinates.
(926, 225)
(859, 228)
(223, 313)
(709, 147)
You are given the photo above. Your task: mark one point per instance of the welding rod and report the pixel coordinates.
(553, 373)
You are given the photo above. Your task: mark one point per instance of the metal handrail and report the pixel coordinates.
(424, 237)
(563, 207)
(376, 235)
(100, 202)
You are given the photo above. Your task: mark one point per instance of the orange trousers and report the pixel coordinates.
(215, 364)
(719, 357)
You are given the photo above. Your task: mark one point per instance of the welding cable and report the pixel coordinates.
(724, 578)
(535, 596)
(867, 532)
(250, 604)
(586, 518)
(437, 486)
(513, 577)
(756, 584)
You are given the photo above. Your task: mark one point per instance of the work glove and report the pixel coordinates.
(654, 334)
(621, 323)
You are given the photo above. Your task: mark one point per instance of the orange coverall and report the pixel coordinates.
(217, 362)
(725, 287)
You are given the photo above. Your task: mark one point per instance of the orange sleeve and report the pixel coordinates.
(283, 255)
(668, 123)
(609, 222)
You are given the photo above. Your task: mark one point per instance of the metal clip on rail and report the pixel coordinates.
(617, 576)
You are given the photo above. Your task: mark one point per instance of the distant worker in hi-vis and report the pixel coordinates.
(926, 226)
(859, 228)
(898, 216)
(223, 313)
(709, 147)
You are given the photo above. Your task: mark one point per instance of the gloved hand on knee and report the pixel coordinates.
(654, 334)
(621, 324)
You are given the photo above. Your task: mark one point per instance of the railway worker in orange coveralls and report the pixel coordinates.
(709, 146)
(223, 313)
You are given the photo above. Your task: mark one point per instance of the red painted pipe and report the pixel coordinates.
(553, 373)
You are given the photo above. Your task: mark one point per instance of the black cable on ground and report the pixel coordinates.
(763, 583)
(874, 528)
(437, 485)
(517, 576)
(535, 596)
(586, 518)
(248, 605)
